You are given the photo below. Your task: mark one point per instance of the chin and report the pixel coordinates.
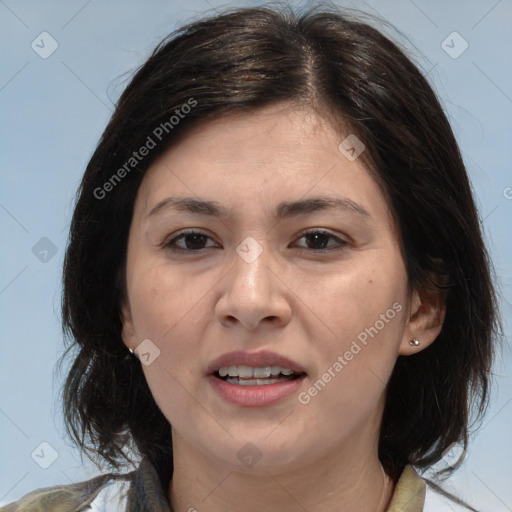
(261, 455)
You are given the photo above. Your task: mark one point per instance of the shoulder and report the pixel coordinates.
(414, 493)
(93, 494)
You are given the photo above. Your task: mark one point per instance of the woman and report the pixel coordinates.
(275, 280)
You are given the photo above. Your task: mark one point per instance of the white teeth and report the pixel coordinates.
(249, 372)
(255, 382)
(244, 371)
(265, 371)
(276, 370)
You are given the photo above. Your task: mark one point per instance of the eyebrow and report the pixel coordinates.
(283, 210)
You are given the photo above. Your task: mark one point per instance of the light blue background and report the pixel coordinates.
(53, 112)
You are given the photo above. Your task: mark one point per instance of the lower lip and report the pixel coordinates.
(254, 396)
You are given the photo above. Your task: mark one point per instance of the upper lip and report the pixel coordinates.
(255, 359)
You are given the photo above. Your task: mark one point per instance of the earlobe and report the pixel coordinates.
(425, 321)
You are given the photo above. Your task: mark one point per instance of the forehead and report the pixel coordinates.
(281, 131)
(270, 155)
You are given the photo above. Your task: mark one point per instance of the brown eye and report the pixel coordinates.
(195, 241)
(192, 241)
(318, 241)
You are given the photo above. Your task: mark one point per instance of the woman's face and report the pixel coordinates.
(295, 263)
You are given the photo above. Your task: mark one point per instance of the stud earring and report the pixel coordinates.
(131, 350)
(414, 342)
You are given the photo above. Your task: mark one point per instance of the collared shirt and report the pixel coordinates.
(141, 491)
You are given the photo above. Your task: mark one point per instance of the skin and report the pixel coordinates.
(293, 299)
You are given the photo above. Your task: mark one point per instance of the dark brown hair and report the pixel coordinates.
(345, 70)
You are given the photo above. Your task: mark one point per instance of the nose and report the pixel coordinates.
(254, 295)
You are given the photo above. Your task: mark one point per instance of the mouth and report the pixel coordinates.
(255, 379)
(243, 375)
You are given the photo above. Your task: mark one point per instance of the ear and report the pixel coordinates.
(128, 331)
(426, 317)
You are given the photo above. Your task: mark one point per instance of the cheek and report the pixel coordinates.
(365, 313)
(166, 309)
(356, 362)
(162, 297)
(356, 300)
(173, 395)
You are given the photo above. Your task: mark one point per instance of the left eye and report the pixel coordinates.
(321, 238)
(194, 241)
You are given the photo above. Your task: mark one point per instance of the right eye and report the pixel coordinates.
(192, 239)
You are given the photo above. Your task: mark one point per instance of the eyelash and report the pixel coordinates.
(182, 234)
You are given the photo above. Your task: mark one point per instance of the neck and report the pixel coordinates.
(334, 483)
